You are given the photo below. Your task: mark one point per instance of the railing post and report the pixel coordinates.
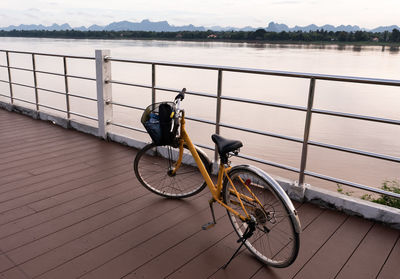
(35, 82)
(153, 83)
(9, 78)
(218, 113)
(104, 93)
(307, 126)
(66, 87)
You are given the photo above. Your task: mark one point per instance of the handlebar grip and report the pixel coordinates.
(181, 95)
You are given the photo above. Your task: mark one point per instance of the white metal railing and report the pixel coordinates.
(35, 87)
(104, 104)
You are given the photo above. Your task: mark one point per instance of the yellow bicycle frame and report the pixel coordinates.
(215, 189)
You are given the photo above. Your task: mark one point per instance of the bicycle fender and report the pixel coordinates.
(278, 189)
(202, 153)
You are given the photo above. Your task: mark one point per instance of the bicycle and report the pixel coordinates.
(171, 166)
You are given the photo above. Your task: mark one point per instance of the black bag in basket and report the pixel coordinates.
(160, 123)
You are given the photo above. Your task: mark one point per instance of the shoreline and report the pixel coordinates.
(396, 46)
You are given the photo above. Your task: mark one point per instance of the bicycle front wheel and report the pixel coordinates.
(275, 241)
(152, 167)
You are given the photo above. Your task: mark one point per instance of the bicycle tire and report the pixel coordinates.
(151, 166)
(276, 240)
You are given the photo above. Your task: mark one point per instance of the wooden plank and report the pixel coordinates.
(37, 195)
(311, 240)
(30, 135)
(32, 142)
(54, 146)
(41, 164)
(40, 152)
(166, 251)
(58, 169)
(86, 198)
(337, 250)
(73, 181)
(37, 233)
(14, 273)
(367, 260)
(5, 262)
(243, 265)
(80, 213)
(308, 215)
(103, 244)
(391, 268)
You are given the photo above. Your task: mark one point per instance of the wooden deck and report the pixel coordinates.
(71, 207)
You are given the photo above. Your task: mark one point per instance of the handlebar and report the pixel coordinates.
(179, 98)
(181, 95)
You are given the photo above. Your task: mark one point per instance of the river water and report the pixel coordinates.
(365, 61)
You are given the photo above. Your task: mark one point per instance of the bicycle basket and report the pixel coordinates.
(160, 122)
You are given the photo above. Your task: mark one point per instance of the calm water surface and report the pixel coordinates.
(366, 61)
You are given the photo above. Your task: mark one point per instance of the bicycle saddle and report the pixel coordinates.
(225, 145)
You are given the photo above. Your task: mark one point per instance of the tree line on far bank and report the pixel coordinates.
(258, 35)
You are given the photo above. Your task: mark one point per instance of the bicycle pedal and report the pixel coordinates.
(208, 226)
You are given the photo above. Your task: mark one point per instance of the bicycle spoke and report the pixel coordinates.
(274, 241)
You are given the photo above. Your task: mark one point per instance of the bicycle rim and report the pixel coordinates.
(153, 163)
(275, 241)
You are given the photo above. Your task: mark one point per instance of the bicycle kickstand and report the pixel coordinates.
(246, 235)
(213, 222)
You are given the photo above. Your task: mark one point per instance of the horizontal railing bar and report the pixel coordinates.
(53, 108)
(84, 116)
(128, 127)
(6, 96)
(243, 100)
(356, 151)
(266, 72)
(128, 84)
(334, 147)
(48, 54)
(49, 90)
(261, 133)
(17, 68)
(48, 73)
(273, 164)
(202, 94)
(73, 113)
(25, 101)
(200, 120)
(62, 75)
(31, 70)
(80, 77)
(323, 145)
(81, 97)
(352, 184)
(210, 148)
(357, 116)
(21, 84)
(126, 106)
(246, 129)
(162, 88)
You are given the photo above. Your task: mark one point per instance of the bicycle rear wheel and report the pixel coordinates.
(152, 167)
(275, 241)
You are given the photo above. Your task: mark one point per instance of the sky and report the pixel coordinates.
(233, 13)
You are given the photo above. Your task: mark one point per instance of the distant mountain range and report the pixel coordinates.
(164, 26)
